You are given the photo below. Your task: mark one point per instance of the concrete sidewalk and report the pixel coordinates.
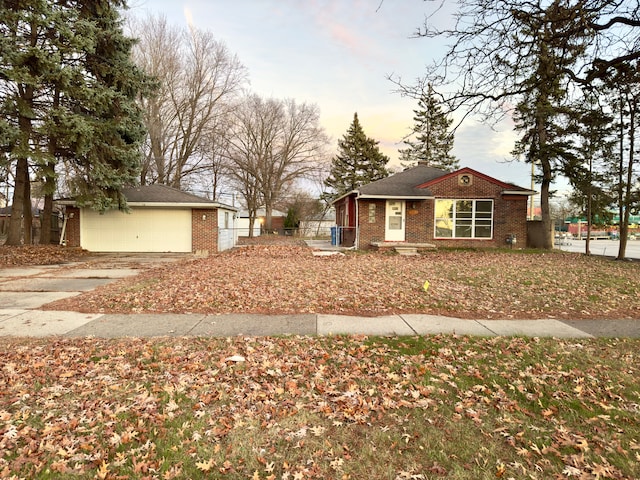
(38, 323)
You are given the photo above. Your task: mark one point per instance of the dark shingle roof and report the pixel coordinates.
(160, 194)
(404, 184)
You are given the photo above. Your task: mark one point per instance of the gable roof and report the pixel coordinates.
(162, 196)
(414, 183)
(509, 188)
(403, 184)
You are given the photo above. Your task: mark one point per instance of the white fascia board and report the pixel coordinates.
(345, 195)
(519, 192)
(207, 206)
(163, 205)
(399, 197)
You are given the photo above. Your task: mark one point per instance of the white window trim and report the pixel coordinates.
(473, 219)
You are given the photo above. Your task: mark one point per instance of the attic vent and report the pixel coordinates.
(465, 180)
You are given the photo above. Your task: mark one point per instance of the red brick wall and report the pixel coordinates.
(204, 233)
(371, 232)
(72, 232)
(509, 216)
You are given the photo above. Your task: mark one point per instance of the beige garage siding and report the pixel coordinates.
(141, 230)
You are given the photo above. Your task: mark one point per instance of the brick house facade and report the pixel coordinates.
(433, 208)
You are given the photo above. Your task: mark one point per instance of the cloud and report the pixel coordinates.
(188, 16)
(346, 25)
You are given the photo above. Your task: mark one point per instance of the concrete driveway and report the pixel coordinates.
(24, 290)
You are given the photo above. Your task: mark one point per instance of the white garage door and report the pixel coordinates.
(140, 230)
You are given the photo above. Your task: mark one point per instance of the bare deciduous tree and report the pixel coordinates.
(272, 144)
(198, 78)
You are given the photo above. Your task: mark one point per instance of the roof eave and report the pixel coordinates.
(519, 192)
(345, 195)
(164, 204)
(398, 197)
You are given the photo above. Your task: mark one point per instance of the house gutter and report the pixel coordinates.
(519, 192)
(345, 195)
(399, 197)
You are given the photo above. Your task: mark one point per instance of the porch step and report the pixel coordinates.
(402, 250)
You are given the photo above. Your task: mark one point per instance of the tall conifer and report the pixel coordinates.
(431, 139)
(359, 161)
(67, 94)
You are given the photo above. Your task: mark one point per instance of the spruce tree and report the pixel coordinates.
(359, 161)
(111, 160)
(431, 139)
(67, 94)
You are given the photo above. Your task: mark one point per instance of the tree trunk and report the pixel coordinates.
(547, 177)
(14, 234)
(268, 214)
(545, 212)
(624, 213)
(27, 213)
(49, 189)
(252, 222)
(45, 220)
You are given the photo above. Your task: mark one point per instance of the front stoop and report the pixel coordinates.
(403, 248)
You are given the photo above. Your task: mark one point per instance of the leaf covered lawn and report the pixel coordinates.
(325, 408)
(287, 279)
(25, 255)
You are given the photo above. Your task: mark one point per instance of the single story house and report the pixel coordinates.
(425, 207)
(161, 219)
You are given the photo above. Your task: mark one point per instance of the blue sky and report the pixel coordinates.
(338, 54)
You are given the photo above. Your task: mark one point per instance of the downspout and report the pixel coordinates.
(63, 240)
(357, 243)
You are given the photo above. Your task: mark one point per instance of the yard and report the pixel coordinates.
(287, 278)
(334, 407)
(319, 407)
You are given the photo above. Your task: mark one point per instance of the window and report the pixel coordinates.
(226, 220)
(464, 218)
(372, 213)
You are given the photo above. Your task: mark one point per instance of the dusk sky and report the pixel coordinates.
(338, 55)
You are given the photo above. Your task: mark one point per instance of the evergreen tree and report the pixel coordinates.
(67, 94)
(594, 133)
(359, 161)
(544, 111)
(431, 139)
(111, 159)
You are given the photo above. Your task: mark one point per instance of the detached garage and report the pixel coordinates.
(161, 219)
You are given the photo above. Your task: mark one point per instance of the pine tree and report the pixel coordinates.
(359, 161)
(111, 160)
(543, 112)
(68, 91)
(431, 139)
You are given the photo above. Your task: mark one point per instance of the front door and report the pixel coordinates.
(395, 212)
